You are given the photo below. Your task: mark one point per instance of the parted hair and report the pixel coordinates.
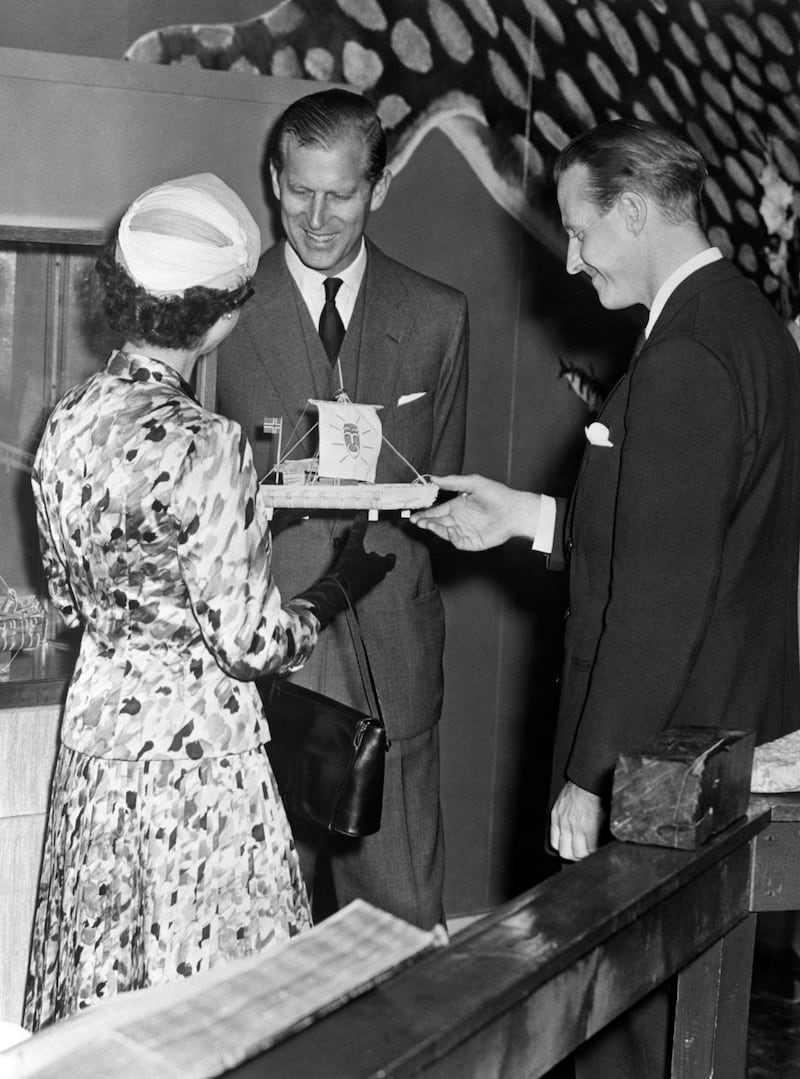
(325, 118)
(176, 322)
(636, 155)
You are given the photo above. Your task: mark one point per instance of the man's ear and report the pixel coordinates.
(633, 208)
(276, 187)
(380, 189)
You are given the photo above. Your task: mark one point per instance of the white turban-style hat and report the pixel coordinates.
(187, 232)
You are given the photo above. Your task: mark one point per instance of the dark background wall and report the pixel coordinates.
(525, 427)
(504, 611)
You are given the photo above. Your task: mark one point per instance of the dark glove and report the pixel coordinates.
(285, 518)
(352, 575)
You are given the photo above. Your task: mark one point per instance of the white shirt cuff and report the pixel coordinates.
(546, 527)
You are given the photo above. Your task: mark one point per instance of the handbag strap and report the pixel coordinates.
(362, 659)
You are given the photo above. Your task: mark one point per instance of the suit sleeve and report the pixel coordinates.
(679, 473)
(450, 408)
(224, 549)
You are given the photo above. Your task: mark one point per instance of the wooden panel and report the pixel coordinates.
(21, 841)
(782, 807)
(520, 989)
(28, 743)
(139, 124)
(713, 995)
(730, 1051)
(28, 746)
(776, 868)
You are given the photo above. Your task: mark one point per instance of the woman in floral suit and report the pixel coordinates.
(167, 845)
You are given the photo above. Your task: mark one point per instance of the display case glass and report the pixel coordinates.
(52, 336)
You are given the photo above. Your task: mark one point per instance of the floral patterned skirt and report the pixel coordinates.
(154, 870)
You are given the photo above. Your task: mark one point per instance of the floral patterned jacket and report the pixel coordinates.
(152, 539)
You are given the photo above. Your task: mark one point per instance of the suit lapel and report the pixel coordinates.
(621, 385)
(386, 325)
(279, 329)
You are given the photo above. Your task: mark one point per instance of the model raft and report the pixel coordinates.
(341, 475)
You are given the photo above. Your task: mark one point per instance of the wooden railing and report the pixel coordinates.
(509, 997)
(518, 990)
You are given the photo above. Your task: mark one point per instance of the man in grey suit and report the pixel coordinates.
(405, 348)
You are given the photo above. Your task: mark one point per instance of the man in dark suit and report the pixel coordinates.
(405, 348)
(682, 532)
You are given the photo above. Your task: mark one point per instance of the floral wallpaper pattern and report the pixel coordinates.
(510, 81)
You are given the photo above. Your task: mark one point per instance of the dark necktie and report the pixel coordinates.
(331, 327)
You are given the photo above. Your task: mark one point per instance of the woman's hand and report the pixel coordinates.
(354, 573)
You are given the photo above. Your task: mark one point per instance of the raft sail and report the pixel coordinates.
(349, 441)
(341, 475)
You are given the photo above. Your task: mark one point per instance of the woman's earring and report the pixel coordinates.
(228, 314)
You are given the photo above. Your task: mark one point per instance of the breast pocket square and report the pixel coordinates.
(407, 398)
(598, 434)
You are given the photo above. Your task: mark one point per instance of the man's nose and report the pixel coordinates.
(316, 215)
(574, 260)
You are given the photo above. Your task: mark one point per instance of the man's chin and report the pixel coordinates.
(600, 292)
(317, 258)
(612, 299)
(609, 299)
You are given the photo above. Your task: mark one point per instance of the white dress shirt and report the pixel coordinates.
(312, 283)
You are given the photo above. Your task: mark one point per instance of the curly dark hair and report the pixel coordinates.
(175, 322)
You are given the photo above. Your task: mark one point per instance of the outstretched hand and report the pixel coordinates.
(485, 513)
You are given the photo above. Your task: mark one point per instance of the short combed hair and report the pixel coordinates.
(635, 155)
(327, 117)
(176, 322)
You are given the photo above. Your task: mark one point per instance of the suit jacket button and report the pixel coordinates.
(568, 544)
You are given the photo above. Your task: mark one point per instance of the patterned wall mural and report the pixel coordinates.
(510, 81)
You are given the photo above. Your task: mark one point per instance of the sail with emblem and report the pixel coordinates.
(349, 441)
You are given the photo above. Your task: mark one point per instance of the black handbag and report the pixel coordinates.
(328, 758)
